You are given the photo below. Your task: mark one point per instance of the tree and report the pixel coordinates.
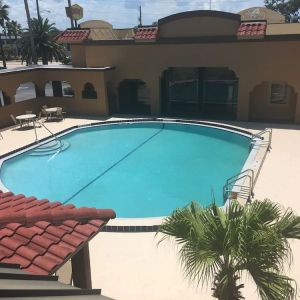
(14, 29)
(46, 48)
(3, 17)
(218, 245)
(289, 8)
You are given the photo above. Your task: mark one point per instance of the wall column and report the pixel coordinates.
(154, 87)
(81, 268)
(243, 100)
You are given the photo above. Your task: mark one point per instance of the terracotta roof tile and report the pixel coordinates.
(41, 235)
(73, 35)
(146, 33)
(252, 30)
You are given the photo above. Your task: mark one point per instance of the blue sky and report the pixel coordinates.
(122, 13)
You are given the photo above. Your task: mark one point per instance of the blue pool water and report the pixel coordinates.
(139, 170)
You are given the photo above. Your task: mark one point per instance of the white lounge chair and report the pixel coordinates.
(15, 121)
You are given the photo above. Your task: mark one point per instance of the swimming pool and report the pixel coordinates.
(142, 169)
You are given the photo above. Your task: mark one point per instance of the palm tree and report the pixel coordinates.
(14, 29)
(3, 17)
(46, 48)
(218, 245)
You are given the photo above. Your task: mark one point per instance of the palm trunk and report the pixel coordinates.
(226, 286)
(2, 53)
(16, 46)
(33, 52)
(38, 9)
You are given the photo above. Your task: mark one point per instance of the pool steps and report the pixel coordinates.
(50, 148)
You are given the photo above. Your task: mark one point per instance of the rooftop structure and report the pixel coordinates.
(196, 64)
(41, 236)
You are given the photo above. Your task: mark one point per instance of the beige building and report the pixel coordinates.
(206, 64)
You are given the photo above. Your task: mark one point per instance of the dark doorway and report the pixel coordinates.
(199, 92)
(134, 97)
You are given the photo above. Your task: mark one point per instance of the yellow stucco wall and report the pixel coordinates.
(74, 105)
(285, 28)
(253, 63)
(199, 26)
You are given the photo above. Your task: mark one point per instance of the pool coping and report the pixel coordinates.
(147, 224)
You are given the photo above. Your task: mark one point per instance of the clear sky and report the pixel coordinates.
(122, 13)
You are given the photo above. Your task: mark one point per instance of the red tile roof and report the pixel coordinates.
(71, 35)
(41, 235)
(146, 33)
(252, 29)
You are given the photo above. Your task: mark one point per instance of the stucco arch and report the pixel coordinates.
(273, 101)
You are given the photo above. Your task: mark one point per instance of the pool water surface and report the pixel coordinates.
(139, 170)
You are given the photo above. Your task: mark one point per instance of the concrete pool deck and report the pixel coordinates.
(132, 266)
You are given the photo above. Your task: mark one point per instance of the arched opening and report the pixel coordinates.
(58, 89)
(134, 97)
(199, 92)
(49, 89)
(89, 91)
(67, 89)
(272, 102)
(4, 99)
(25, 91)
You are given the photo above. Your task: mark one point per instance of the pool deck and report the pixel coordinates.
(131, 266)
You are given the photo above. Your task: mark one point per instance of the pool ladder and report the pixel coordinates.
(241, 185)
(56, 146)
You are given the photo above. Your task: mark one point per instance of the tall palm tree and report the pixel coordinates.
(46, 47)
(218, 245)
(14, 29)
(33, 57)
(3, 17)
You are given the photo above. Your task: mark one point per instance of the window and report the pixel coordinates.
(25, 91)
(278, 93)
(89, 91)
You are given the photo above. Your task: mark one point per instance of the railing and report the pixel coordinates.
(52, 134)
(242, 184)
(261, 135)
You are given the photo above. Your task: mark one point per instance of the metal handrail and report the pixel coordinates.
(260, 134)
(231, 182)
(236, 177)
(52, 134)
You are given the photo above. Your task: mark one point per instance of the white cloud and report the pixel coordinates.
(122, 13)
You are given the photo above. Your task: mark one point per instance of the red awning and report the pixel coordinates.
(252, 29)
(146, 33)
(73, 36)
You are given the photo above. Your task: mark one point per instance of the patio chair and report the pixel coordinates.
(44, 106)
(15, 121)
(60, 113)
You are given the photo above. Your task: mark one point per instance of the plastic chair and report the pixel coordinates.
(60, 113)
(15, 121)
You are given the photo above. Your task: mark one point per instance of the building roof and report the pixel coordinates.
(40, 235)
(18, 284)
(146, 33)
(252, 29)
(73, 36)
(106, 34)
(199, 13)
(262, 13)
